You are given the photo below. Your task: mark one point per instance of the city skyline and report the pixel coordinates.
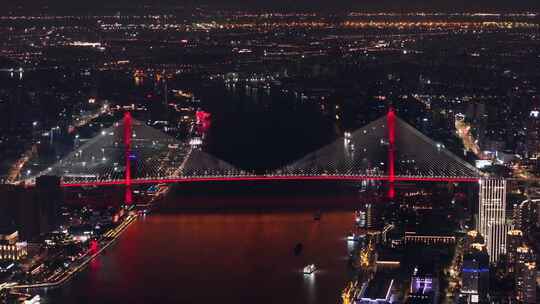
(385, 5)
(269, 152)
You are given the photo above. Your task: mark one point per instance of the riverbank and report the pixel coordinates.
(107, 240)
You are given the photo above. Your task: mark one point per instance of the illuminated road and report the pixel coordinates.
(453, 275)
(464, 132)
(16, 170)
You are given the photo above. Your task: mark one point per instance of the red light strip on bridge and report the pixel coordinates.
(272, 178)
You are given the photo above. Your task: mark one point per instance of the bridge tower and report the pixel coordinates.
(391, 123)
(128, 133)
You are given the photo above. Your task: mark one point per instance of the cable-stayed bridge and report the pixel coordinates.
(388, 149)
(131, 152)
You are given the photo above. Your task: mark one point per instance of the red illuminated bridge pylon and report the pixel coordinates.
(128, 133)
(391, 122)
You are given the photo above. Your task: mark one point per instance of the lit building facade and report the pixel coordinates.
(10, 247)
(514, 240)
(413, 238)
(524, 216)
(475, 274)
(491, 221)
(525, 275)
(526, 292)
(366, 217)
(424, 287)
(533, 130)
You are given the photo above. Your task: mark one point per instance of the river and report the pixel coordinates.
(226, 257)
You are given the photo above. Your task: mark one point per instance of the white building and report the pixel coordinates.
(491, 220)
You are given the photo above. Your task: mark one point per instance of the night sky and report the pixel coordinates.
(394, 5)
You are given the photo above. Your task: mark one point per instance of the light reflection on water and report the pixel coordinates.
(207, 258)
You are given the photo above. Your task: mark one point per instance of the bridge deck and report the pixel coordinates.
(272, 178)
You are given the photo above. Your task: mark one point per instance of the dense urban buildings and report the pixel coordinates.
(343, 152)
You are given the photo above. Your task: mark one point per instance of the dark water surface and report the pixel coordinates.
(207, 257)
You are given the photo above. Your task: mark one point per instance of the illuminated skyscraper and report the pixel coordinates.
(525, 275)
(524, 216)
(491, 221)
(475, 274)
(513, 242)
(528, 273)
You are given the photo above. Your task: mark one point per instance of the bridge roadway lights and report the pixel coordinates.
(272, 178)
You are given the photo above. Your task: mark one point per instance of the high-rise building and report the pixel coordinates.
(514, 240)
(15, 207)
(475, 274)
(491, 221)
(49, 197)
(32, 211)
(533, 130)
(496, 240)
(525, 275)
(528, 273)
(8, 194)
(366, 216)
(536, 201)
(38, 209)
(524, 216)
(371, 219)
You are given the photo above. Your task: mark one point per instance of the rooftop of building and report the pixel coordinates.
(8, 232)
(379, 287)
